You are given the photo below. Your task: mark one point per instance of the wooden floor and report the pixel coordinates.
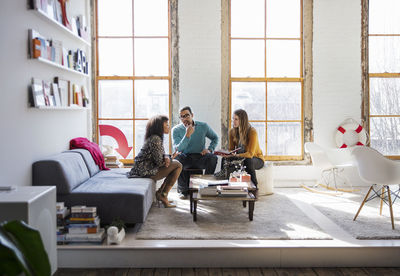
(229, 271)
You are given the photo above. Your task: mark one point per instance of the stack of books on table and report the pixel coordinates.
(84, 226)
(62, 215)
(112, 161)
(208, 191)
(232, 191)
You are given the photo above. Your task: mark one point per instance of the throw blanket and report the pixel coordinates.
(93, 148)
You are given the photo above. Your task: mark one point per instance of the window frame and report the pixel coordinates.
(366, 99)
(266, 80)
(97, 78)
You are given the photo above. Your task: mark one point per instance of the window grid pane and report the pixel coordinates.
(384, 84)
(274, 106)
(129, 48)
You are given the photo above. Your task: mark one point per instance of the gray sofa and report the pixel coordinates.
(79, 181)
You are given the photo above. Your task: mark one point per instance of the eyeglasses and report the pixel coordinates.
(184, 116)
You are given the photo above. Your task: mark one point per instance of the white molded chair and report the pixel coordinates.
(382, 173)
(329, 171)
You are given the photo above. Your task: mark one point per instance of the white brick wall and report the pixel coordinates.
(200, 59)
(337, 66)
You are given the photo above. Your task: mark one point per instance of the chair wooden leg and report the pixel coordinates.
(390, 206)
(382, 197)
(362, 203)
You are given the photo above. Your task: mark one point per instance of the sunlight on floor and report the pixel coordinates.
(302, 229)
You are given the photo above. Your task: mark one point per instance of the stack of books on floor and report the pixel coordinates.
(84, 226)
(232, 191)
(112, 161)
(62, 215)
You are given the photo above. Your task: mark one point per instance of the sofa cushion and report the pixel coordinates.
(87, 157)
(65, 170)
(115, 195)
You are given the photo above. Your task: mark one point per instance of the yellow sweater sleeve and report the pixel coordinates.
(252, 148)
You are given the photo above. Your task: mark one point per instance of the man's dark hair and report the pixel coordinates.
(155, 126)
(186, 108)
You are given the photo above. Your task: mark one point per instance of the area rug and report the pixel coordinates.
(275, 218)
(369, 225)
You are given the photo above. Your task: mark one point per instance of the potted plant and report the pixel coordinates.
(22, 250)
(116, 231)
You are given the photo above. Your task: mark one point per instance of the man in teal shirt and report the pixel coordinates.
(189, 139)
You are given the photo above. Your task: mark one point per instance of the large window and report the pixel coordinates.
(133, 75)
(384, 75)
(266, 72)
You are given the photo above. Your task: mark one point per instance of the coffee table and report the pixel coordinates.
(195, 197)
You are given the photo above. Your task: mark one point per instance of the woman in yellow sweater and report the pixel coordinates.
(245, 137)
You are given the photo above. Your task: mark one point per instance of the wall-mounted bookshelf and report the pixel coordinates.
(61, 107)
(49, 62)
(44, 15)
(67, 46)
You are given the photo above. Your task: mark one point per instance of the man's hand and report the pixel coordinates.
(205, 151)
(189, 131)
(167, 161)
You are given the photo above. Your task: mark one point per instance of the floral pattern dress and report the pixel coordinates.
(149, 159)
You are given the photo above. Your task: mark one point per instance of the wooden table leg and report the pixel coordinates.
(244, 203)
(191, 201)
(195, 210)
(251, 210)
(390, 206)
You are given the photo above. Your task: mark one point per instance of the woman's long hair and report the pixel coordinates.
(155, 126)
(241, 133)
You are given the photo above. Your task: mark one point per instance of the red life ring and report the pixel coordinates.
(350, 134)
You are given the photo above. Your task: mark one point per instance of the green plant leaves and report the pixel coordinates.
(21, 249)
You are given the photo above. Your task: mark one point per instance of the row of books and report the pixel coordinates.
(57, 10)
(54, 51)
(57, 93)
(81, 224)
(237, 191)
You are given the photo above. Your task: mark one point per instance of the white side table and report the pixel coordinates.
(265, 178)
(36, 205)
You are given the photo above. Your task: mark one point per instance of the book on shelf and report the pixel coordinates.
(63, 87)
(37, 93)
(47, 93)
(37, 44)
(57, 46)
(64, 53)
(36, 48)
(56, 93)
(85, 96)
(225, 152)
